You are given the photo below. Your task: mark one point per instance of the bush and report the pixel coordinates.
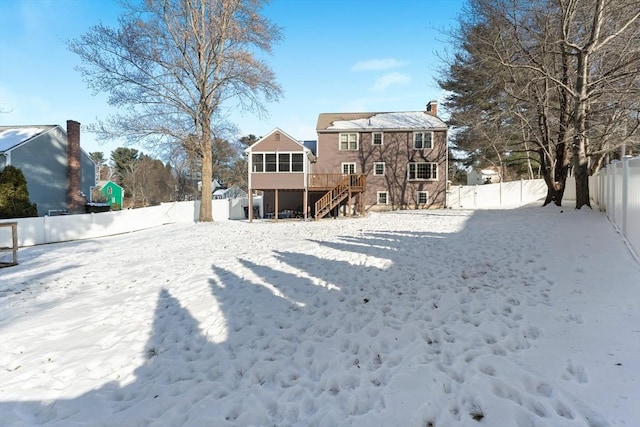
(14, 196)
(115, 206)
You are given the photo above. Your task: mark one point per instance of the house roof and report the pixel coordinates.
(403, 120)
(305, 148)
(102, 183)
(13, 136)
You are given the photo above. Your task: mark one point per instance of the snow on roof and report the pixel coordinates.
(399, 120)
(12, 136)
(488, 172)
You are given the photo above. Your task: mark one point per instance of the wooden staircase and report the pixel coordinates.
(348, 185)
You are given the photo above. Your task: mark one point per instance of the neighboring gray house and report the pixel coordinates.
(59, 173)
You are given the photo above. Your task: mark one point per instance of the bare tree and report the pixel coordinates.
(173, 66)
(555, 60)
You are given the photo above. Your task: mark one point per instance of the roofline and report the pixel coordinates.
(51, 127)
(20, 144)
(379, 130)
(371, 114)
(277, 129)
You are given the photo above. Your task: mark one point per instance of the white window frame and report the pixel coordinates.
(349, 142)
(414, 165)
(386, 197)
(375, 171)
(423, 134)
(351, 165)
(426, 195)
(373, 138)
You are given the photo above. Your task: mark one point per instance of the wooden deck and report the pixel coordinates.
(328, 181)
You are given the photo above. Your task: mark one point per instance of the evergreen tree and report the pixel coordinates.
(14, 196)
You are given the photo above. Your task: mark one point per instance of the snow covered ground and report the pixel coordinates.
(522, 317)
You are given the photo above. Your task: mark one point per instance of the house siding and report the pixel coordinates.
(277, 180)
(271, 144)
(43, 162)
(396, 152)
(87, 174)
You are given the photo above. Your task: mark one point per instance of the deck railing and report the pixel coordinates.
(345, 184)
(330, 180)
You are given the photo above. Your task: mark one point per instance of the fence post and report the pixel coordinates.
(625, 192)
(46, 229)
(611, 208)
(521, 191)
(475, 196)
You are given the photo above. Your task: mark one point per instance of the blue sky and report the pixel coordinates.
(336, 56)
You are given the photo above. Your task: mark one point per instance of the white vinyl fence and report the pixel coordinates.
(616, 191)
(503, 194)
(51, 229)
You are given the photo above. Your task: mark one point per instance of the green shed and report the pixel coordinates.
(112, 192)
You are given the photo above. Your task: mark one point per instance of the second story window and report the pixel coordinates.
(376, 139)
(422, 140)
(378, 168)
(270, 163)
(297, 162)
(284, 162)
(277, 162)
(257, 161)
(348, 141)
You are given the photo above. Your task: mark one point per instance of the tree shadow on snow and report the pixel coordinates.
(294, 348)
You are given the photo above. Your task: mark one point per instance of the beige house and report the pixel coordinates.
(360, 161)
(402, 154)
(282, 168)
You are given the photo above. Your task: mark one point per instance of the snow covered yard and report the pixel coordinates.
(523, 317)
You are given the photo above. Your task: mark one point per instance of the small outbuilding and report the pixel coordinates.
(113, 193)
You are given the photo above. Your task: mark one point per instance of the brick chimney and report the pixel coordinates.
(75, 201)
(432, 107)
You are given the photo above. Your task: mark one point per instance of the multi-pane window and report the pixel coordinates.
(383, 197)
(348, 168)
(376, 138)
(378, 168)
(277, 162)
(297, 162)
(284, 162)
(422, 171)
(257, 160)
(423, 197)
(348, 141)
(422, 140)
(270, 163)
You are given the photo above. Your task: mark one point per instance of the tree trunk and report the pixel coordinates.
(579, 147)
(555, 176)
(207, 174)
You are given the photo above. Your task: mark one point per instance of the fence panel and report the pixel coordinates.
(505, 194)
(616, 191)
(41, 230)
(632, 229)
